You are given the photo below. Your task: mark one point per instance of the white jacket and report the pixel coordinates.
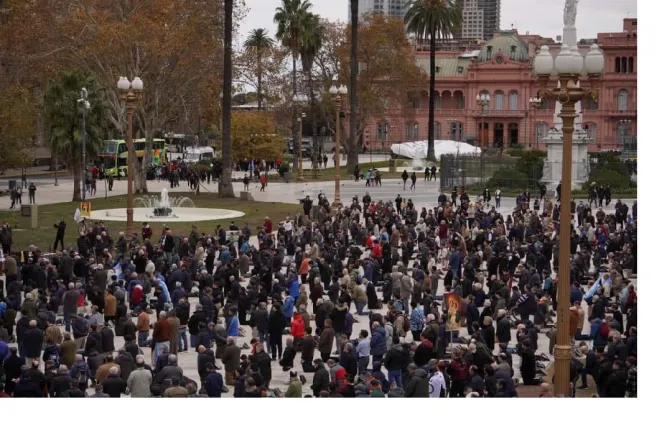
(436, 382)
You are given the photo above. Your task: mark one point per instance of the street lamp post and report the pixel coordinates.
(535, 102)
(569, 65)
(482, 101)
(337, 94)
(299, 177)
(83, 101)
(131, 92)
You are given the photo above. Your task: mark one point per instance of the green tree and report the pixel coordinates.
(353, 153)
(311, 43)
(292, 19)
(429, 20)
(63, 113)
(259, 43)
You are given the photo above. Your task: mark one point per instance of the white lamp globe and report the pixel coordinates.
(123, 83)
(543, 62)
(333, 90)
(564, 61)
(577, 62)
(343, 90)
(594, 61)
(137, 84)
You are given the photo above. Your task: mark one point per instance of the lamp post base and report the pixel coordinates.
(129, 222)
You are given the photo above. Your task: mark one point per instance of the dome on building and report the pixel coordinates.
(507, 42)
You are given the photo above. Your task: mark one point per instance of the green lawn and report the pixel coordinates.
(48, 215)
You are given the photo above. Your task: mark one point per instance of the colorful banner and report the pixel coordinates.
(453, 305)
(85, 209)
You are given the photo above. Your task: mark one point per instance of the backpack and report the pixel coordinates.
(82, 377)
(407, 324)
(604, 330)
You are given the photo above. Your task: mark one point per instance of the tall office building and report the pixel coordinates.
(394, 8)
(480, 18)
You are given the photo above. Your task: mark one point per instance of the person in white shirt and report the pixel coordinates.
(436, 381)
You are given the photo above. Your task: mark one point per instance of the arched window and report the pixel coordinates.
(412, 131)
(499, 100)
(437, 100)
(622, 100)
(513, 100)
(631, 65)
(591, 130)
(437, 130)
(590, 104)
(459, 100)
(622, 131)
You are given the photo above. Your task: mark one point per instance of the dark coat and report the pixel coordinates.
(503, 330)
(320, 380)
(263, 360)
(231, 358)
(488, 335)
(107, 339)
(114, 386)
(214, 384)
(33, 339)
(418, 386)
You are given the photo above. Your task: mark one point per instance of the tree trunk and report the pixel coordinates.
(225, 185)
(258, 79)
(432, 81)
(313, 119)
(77, 179)
(141, 180)
(295, 130)
(353, 152)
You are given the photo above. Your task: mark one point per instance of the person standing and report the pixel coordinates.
(31, 192)
(161, 336)
(60, 234)
(414, 178)
(404, 177)
(433, 173)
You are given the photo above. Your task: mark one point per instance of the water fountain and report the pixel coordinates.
(162, 206)
(165, 208)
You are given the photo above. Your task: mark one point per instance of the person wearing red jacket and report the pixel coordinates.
(268, 225)
(298, 330)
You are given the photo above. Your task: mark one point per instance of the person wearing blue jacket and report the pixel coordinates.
(288, 308)
(214, 383)
(598, 340)
(378, 342)
(294, 287)
(232, 329)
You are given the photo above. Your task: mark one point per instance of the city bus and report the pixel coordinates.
(114, 155)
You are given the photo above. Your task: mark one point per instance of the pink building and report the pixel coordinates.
(502, 68)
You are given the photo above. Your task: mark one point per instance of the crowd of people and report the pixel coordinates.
(457, 297)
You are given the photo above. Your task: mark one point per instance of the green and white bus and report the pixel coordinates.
(114, 155)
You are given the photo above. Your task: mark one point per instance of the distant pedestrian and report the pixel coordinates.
(404, 177)
(414, 178)
(31, 192)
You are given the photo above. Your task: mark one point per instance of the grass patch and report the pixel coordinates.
(48, 215)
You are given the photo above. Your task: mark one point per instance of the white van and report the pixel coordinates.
(192, 155)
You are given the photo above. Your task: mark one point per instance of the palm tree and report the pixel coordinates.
(64, 116)
(311, 43)
(429, 20)
(259, 42)
(353, 156)
(292, 19)
(225, 185)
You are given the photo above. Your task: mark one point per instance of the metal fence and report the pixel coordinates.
(506, 173)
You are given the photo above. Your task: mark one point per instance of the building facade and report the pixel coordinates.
(394, 8)
(503, 69)
(480, 18)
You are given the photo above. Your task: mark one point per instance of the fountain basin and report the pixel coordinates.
(177, 214)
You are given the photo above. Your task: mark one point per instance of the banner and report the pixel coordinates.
(85, 209)
(453, 305)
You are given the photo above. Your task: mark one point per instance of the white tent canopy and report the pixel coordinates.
(418, 150)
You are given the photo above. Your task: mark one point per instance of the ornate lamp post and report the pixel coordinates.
(298, 101)
(535, 103)
(482, 101)
(569, 65)
(83, 101)
(131, 92)
(337, 93)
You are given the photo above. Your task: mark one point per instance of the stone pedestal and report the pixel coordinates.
(246, 196)
(553, 163)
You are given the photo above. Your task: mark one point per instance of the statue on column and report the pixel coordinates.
(570, 12)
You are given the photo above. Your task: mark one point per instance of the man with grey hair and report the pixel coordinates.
(140, 380)
(70, 305)
(61, 382)
(172, 370)
(33, 339)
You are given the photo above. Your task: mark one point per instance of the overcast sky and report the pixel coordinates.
(542, 17)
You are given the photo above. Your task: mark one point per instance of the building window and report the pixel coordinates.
(456, 131)
(412, 131)
(622, 131)
(499, 100)
(622, 100)
(459, 100)
(487, 106)
(591, 104)
(437, 100)
(381, 131)
(617, 68)
(513, 100)
(437, 130)
(631, 65)
(591, 131)
(415, 103)
(542, 131)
